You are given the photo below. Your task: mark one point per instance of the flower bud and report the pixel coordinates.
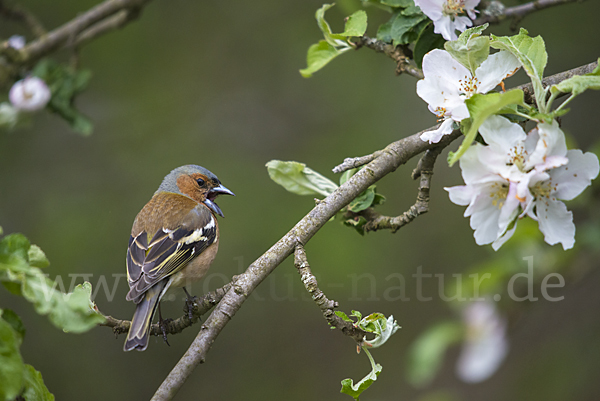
(29, 94)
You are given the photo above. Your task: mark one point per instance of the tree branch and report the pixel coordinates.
(326, 305)
(424, 170)
(387, 161)
(497, 13)
(201, 306)
(396, 53)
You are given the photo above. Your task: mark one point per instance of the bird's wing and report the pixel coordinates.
(169, 250)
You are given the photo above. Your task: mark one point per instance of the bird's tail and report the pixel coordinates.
(139, 332)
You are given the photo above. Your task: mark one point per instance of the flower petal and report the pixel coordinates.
(556, 222)
(572, 179)
(436, 135)
(495, 69)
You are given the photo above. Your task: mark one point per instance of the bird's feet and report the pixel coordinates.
(164, 325)
(190, 303)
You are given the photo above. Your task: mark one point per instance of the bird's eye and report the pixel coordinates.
(201, 182)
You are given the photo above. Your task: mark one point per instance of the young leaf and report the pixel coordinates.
(363, 201)
(15, 322)
(343, 316)
(471, 49)
(299, 179)
(37, 257)
(34, 387)
(385, 329)
(427, 352)
(65, 83)
(531, 52)
(480, 108)
(318, 56)
(356, 25)
(11, 363)
(355, 390)
(71, 312)
(579, 83)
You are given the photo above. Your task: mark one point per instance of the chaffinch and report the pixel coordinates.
(174, 239)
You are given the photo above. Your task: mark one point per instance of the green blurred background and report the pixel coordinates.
(217, 84)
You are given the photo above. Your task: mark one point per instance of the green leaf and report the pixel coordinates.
(470, 49)
(378, 200)
(356, 24)
(11, 363)
(299, 179)
(427, 41)
(384, 329)
(427, 352)
(37, 257)
(15, 322)
(347, 174)
(34, 387)
(320, 17)
(355, 390)
(480, 108)
(356, 314)
(318, 56)
(65, 84)
(401, 29)
(531, 52)
(363, 201)
(72, 312)
(343, 316)
(579, 83)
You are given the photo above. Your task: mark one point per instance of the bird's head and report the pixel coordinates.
(196, 183)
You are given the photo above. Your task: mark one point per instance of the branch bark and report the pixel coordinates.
(326, 305)
(201, 306)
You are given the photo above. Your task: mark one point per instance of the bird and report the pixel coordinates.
(174, 239)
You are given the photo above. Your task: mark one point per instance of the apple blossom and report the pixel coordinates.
(447, 84)
(566, 182)
(29, 94)
(518, 174)
(448, 15)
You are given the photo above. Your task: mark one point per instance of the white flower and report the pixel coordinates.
(16, 42)
(565, 182)
(446, 17)
(520, 174)
(485, 344)
(492, 204)
(447, 84)
(29, 94)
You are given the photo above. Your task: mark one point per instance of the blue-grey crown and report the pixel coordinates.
(169, 183)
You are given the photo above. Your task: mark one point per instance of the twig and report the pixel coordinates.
(72, 29)
(355, 162)
(202, 305)
(115, 22)
(326, 305)
(396, 53)
(519, 12)
(424, 170)
(394, 155)
(18, 13)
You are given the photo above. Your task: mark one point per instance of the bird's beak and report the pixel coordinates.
(212, 194)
